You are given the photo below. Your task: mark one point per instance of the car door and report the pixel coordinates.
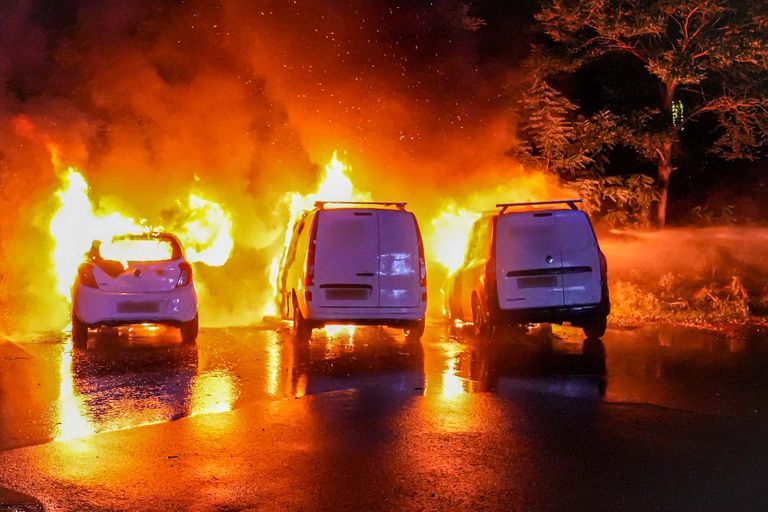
(580, 258)
(528, 261)
(399, 279)
(347, 258)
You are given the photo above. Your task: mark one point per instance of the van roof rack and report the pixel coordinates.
(570, 202)
(321, 204)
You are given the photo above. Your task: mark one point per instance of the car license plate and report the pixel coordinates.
(138, 307)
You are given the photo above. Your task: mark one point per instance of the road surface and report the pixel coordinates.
(646, 419)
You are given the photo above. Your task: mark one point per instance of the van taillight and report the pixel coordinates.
(603, 266)
(85, 274)
(186, 274)
(422, 260)
(309, 270)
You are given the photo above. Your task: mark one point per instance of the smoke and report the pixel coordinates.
(242, 101)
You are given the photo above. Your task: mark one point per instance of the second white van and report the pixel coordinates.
(354, 263)
(532, 263)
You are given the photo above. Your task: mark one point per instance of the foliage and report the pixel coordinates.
(708, 59)
(620, 200)
(709, 216)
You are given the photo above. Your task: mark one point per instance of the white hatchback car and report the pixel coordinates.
(135, 279)
(532, 263)
(354, 263)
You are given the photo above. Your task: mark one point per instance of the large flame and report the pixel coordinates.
(335, 185)
(206, 231)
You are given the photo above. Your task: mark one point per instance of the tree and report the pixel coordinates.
(708, 59)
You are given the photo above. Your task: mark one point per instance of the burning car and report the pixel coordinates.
(131, 279)
(532, 263)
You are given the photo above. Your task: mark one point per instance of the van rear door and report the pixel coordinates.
(347, 258)
(580, 258)
(528, 261)
(399, 279)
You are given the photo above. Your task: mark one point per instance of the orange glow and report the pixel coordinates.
(213, 392)
(206, 233)
(335, 185)
(335, 330)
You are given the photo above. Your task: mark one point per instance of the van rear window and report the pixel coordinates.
(537, 233)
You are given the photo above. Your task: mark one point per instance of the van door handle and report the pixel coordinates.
(365, 274)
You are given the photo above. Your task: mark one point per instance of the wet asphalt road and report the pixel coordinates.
(647, 419)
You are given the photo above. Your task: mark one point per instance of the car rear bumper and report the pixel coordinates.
(98, 307)
(576, 315)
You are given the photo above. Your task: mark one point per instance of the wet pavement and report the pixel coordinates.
(653, 418)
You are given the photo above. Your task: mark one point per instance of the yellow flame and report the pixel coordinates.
(206, 233)
(335, 185)
(136, 250)
(447, 241)
(75, 225)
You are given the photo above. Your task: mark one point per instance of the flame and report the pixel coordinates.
(335, 185)
(136, 250)
(450, 232)
(206, 232)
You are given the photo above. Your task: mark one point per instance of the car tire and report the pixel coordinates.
(415, 331)
(189, 331)
(79, 333)
(301, 330)
(596, 327)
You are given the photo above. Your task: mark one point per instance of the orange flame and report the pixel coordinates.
(335, 185)
(206, 234)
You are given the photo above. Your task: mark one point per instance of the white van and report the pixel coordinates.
(530, 263)
(354, 263)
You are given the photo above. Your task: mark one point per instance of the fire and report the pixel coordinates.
(206, 231)
(447, 241)
(335, 185)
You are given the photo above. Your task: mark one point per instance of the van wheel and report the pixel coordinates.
(301, 330)
(189, 331)
(596, 327)
(79, 333)
(415, 331)
(479, 319)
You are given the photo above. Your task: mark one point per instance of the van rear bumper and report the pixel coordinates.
(576, 315)
(365, 316)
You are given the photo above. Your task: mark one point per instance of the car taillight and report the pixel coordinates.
(185, 278)
(490, 281)
(85, 275)
(422, 260)
(309, 270)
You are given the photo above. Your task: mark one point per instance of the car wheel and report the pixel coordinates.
(596, 327)
(415, 331)
(79, 333)
(302, 330)
(189, 331)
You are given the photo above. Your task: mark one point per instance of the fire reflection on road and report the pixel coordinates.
(125, 382)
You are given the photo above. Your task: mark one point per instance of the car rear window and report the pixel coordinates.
(137, 250)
